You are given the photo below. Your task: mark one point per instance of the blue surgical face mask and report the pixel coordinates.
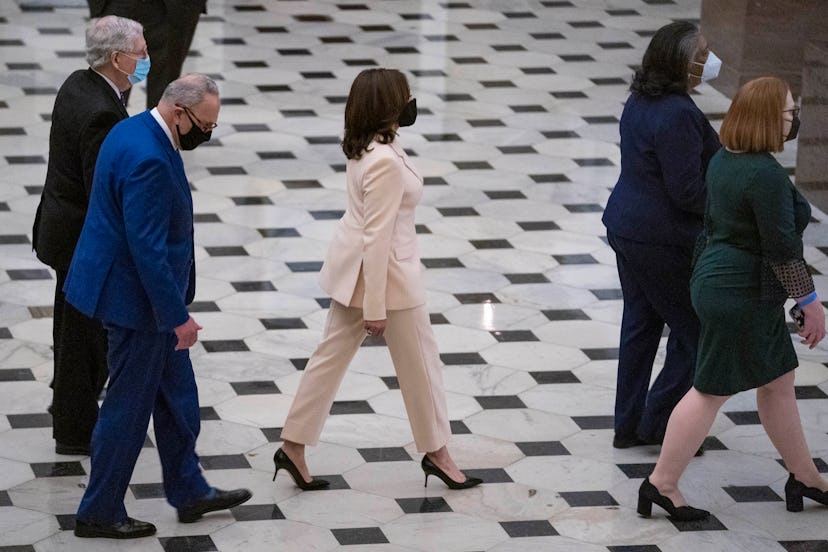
(142, 69)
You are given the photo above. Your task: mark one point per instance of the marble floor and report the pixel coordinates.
(517, 139)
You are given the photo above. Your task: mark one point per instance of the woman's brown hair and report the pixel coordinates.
(376, 99)
(754, 120)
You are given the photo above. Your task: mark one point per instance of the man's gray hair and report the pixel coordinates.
(110, 34)
(189, 90)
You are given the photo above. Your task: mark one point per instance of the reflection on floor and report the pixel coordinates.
(517, 139)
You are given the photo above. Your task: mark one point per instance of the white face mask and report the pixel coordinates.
(712, 66)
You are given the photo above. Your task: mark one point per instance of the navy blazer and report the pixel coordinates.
(134, 265)
(666, 145)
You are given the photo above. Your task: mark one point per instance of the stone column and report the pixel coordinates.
(758, 38)
(812, 146)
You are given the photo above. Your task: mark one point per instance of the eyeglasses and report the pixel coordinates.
(206, 127)
(137, 55)
(794, 111)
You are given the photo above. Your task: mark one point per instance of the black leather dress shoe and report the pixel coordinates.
(627, 441)
(129, 529)
(217, 500)
(74, 450)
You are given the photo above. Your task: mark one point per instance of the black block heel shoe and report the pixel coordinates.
(648, 495)
(430, 468)
(796, 490)
(282, 462)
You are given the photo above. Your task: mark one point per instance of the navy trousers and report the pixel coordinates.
(146, 377)
(655, 282)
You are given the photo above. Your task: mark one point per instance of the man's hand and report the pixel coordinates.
(187, 334)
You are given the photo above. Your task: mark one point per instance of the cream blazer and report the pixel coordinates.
(373, 262)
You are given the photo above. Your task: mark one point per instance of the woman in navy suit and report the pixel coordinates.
(653, 217)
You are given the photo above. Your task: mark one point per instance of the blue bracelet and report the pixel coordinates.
(808, 299)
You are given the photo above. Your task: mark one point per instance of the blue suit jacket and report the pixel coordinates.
(666, 145)
(133, 265)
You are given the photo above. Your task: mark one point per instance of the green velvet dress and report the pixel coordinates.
(754, 213)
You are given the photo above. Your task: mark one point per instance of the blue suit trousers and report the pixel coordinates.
(655, 282)
(146, 377)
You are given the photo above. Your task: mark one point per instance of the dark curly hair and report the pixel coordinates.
(666, 63)
(376, 99)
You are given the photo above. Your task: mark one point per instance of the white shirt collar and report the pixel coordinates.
(163, 124)
(112, 84)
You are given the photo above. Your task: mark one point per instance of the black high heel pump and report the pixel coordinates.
(281, 460)
(796, 490)
(430, 468)
(648, 494)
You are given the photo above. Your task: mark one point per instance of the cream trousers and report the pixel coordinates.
(416, 360)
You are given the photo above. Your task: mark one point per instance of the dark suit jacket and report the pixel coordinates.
(86, 109)
(666, 145)
(134, 265)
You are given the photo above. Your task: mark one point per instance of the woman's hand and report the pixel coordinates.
(376, 328)
(813, 330)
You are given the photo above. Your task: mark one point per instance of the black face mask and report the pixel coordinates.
(194, 138)
(794, 128)
(409, 113)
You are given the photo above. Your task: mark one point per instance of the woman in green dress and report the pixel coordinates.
(751, 263)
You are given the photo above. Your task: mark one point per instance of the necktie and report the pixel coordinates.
(124, 99)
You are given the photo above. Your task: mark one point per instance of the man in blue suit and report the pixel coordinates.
(134, 269)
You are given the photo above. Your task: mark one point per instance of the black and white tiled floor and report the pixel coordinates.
(517, 139)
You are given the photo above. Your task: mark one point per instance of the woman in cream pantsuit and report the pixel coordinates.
(372, 273)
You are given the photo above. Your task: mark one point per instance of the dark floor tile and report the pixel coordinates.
(143, 491)
(200, 218)
(266, 387)
(594, 422)
(505, 336)
(224, 346)
(226, 251)
(299, 363)
(551, 178)
(66, 522)
(491, 244)
(485, 123)
(257, 512)
(16, 374)
(208, 414)
(804, 392)
(327, 214)
(497, 402)
(575, 259)
(434, 181)
(224, 462)
(604, 353)
(759, 493)
(351, 407)
(244, 287)
(191, 543)
(528, 528)
(14, 239)
(608, 81)
(25, 159)
(424, 505)
(553, 377)
(615, 45)
(542, 448)
(203, 306)
(451, 359)
(459, 428)
(476, 298)
(527, 278)
(384, 454)
(710, 524)
(283, 323)
(301, 184)
(443, 262)
(634, 548)
(5, 500)
(607, 294)
(581, 499)
(391, 382)
(253, 200)
(29, 274)
(489, 475)
(637, 471)
(230, 171)
(805, 545)
(279, 232)
(305, 266)
(576, 58)
(599, 120)
(57, 469)
(744, 417)
(504, 194)
(22, 421)
(538, 225)
(5, 333)
(712, 443)
(458, 211)
(272, 434)
(359, 535)
(568, 95)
